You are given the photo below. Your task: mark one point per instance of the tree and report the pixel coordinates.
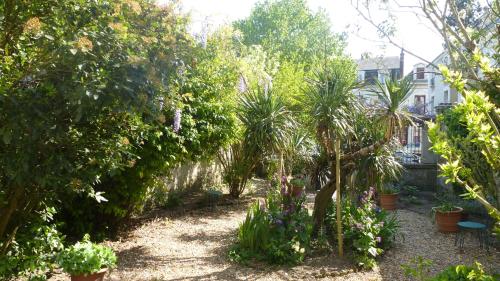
(473, 71)
(289, 29)
(266, 129)
(79, 94)
(336, 114)
(479, 130)
(464, 26)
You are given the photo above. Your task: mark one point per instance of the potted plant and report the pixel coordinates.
(298, 185)
(447, 216)
(87, 261)
(388, 196)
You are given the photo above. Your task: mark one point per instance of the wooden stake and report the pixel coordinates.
(338, 198)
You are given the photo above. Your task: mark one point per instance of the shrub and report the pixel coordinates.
(32, 254)
(174, 199)
(368, 230)
(86, 258)
(277, 231)
(463, 272)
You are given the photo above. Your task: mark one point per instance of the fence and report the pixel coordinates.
(411, 141)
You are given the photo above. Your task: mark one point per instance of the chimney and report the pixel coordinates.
(401, 64)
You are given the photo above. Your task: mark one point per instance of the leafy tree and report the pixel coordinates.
(478, 119)
(266, 127)
(336, 114)
(291, 30)
(88, 94)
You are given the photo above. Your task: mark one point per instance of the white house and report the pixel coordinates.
(441, 94)
(373, 69)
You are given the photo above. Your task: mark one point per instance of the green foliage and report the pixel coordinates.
(174, 199)
(330, 102)
(33, 254)
(473, 128)
(299, 182)
(420, 269)
(463, 272)
(86, 257)
(277, 231)
(290, 29)
(368, 230)
(393, 94)
(80, 82)
(389, 188)
(266, 126)
(266, 120)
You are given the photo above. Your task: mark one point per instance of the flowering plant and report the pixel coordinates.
(276, 230)
(368, 230)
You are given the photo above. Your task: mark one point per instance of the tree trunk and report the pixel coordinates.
(9, 211)
(321, 201)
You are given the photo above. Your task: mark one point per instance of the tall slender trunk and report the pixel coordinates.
(338, 198)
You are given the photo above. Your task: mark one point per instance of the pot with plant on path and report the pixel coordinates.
(447, 216)
(388, 196)
(87, 261)
(298, 185)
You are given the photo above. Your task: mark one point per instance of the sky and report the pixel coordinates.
(413, 33)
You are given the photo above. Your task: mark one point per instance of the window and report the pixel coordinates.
(445, 96)
(420, 73)
(395, 74)
(419, 105)
(371, 76)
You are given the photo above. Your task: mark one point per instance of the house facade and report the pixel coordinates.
(430, 93)
(375, 69)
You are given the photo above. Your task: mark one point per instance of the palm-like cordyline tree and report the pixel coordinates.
(267, 126)
(336, 114)
(392, 95)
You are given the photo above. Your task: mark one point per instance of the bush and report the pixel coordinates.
(33, 254)
(174, 199)
(463, 272)
(277, 231)
(368, 230)
(86, 258)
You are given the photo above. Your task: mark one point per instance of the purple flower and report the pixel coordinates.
(177, 120)
(379, 239)
(371, 192)
(278, 222)
(283, 190)
(242, 85)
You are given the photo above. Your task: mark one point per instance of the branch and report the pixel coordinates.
(364, 151)
(389, 38)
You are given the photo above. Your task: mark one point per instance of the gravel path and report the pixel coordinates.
(194, 246)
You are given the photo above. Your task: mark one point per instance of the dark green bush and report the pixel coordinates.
(277, 231)
(32, 255)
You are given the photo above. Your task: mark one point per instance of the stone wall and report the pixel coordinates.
(191, 175)
(423, 176)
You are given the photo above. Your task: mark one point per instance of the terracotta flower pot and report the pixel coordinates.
(98, 276)
(297, 190)
(388, 201)
(447, 221)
